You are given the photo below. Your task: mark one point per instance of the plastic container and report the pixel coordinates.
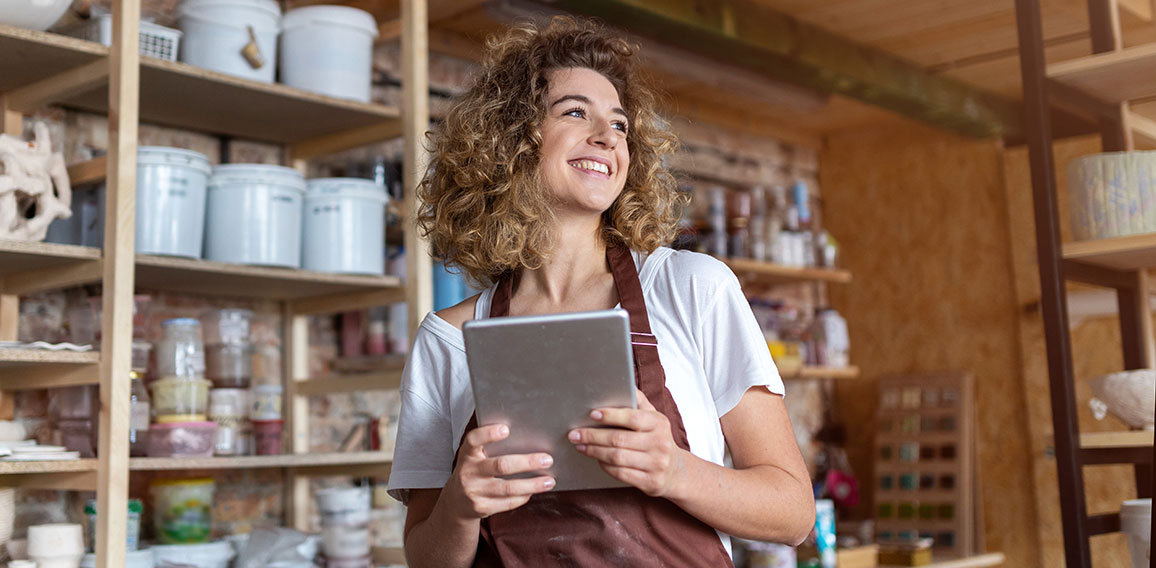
(231, 326)
(140, 412)
(229, 409)
(267, 437)
(229, 365)
(141, 353)
(56, 545)
(217, 554)
(32, 15)
(220, 33)
(75, 403)
(170, 201)
(347, 506)
(132, 559)
(266, 402)
(254, 215)
(132, 525)
(345, 541)
(79, 435)
(155, 41)
(182, 511)
(1136, 522)
(181, 352)
(328, 50)
(24, 563)
(182, 440)
(180, 396)
(344, 227)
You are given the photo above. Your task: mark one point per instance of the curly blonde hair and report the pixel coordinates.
(483, 206)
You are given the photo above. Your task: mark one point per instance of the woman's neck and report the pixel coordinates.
(575, 276)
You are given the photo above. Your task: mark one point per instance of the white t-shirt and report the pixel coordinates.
(709, 343)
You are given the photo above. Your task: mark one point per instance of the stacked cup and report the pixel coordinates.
(268, 426)
(345, 525)
(55, 545)
(229, 365)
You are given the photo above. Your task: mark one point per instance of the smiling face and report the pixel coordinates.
(584, 156)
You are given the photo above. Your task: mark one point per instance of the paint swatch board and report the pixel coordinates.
(924, 461)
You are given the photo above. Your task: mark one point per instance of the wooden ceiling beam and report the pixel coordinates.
(785, 49)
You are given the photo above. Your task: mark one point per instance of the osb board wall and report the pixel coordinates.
(1095, 351)
(922, 221)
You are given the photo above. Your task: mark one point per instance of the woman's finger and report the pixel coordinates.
(515, 488)
(638, 420)
(621, 457)
(611, 437)
(477, 438)
(643, 402)
(515, 463)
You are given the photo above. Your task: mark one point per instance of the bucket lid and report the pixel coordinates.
(1136, 507)
(247, 174)
(270, 7)
(165, 156)
(346, 187)
(339, 15)
(216, 551)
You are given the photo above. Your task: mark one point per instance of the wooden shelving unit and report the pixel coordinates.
(977, 561)
(40, 68)
(777, 273)
(817, 372)
(1101, 86)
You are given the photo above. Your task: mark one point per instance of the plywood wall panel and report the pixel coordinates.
(1095, 351)
(921, 218)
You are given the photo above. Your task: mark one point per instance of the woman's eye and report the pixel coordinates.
(575, 112)
(621, 126)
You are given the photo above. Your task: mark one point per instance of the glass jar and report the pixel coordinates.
(181, 352)
(229, 326)
(138, 442)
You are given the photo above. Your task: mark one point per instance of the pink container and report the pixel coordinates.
(267, 436)
(182, 439)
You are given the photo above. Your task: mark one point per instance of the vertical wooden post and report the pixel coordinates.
(11, 123)
(415, 117)
(119, 244)
(297, 414)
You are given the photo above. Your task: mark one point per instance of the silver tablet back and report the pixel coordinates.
(542, 375)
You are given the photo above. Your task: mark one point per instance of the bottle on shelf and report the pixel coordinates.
(717, 217)
(139, 415)
(739, 235)
(758, 224)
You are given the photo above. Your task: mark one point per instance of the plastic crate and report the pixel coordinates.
(155, 41)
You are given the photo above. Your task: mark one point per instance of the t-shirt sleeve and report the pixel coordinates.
(424, 453)
(734, 350)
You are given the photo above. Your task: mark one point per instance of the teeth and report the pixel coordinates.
(591, 165)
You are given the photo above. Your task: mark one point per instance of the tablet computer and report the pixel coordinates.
(542, 375)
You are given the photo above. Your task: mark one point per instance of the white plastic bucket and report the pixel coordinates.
(328, 50)
(344, 227)
(344, 506)
(1136, 522)
(216, 32)
(132, 559)
(254, 215)
(209, 555)
(170, 201)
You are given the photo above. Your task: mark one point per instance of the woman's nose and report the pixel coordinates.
(604, 136)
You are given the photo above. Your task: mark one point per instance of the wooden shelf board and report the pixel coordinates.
(1134, 439)
(197, 276)
(61, 466)
(343, 459)
(26, 256)
(183, 96)
(31, 56)
(816, 372)
(977, 561)
(1113, 77)
(1133, 252)
(29, 357)
(768, 271)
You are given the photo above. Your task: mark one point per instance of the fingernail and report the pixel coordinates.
(503, 430)
(548, 483)
(575, 436)
(546, 461)
(597, 415)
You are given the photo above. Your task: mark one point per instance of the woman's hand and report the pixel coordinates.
(477, 491)
(640, 451)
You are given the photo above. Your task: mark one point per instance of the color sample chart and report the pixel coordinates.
(924, 461)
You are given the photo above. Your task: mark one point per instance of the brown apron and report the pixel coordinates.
(604, 527)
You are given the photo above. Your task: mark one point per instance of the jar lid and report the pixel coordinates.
(182, 321)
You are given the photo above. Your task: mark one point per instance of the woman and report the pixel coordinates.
(547, 180)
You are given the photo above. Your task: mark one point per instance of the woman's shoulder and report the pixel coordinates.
(459, 314)
(688, 265)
